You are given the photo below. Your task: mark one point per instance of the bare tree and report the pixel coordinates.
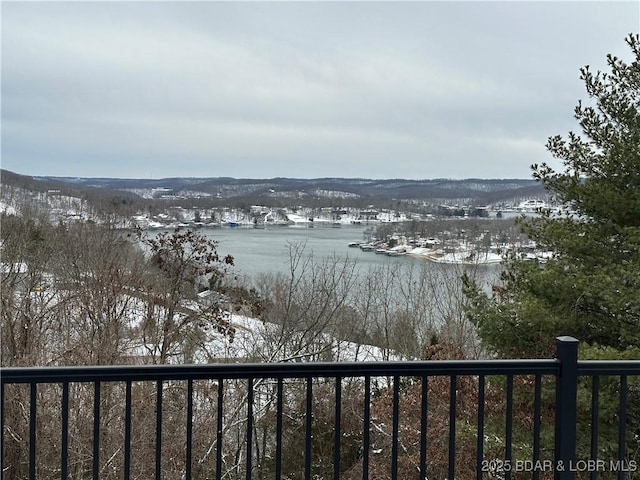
(184, 263)
(28, 303)
(98, 271)
(308, 307)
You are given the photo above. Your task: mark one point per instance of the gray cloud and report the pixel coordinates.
(261, 89)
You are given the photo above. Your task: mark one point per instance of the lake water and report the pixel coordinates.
(265, 250)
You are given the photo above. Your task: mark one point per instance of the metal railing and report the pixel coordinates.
(434, 419)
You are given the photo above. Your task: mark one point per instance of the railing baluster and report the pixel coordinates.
(537, 409)
(509, 426)
(159, 430)
(622, 427)
(127, 431)
(452, 425)
(219, 425)
(64, 441)
(308, 429)
(337, 429)
(96, 430)
(279, 414)
(366, 427)
(480, 432)
(395, 427)
(32, 432)
(595, 407)
(189, 429)
(249, 428)
(423, 427)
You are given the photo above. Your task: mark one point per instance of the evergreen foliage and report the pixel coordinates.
(590, 287)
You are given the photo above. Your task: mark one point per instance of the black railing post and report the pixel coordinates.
(566, 415)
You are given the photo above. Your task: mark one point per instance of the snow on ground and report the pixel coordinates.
(458, 257)
(259, 341)
(8, 209)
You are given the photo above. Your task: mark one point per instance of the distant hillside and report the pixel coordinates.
(482, 191)
(63, 185)
(23, 189)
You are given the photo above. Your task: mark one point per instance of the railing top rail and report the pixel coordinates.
(276, 370)
(609, 367)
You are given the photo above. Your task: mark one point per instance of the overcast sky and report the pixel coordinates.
(298, 89)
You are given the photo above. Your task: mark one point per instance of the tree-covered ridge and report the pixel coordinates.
(591, 287)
